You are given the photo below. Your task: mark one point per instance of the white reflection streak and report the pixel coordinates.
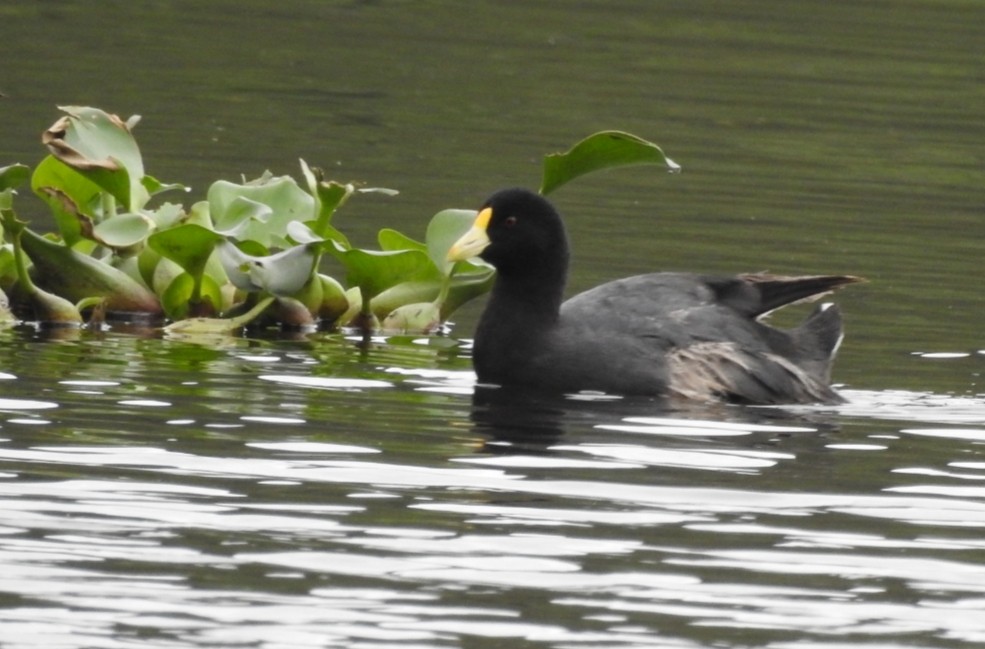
(674, 498)
(709, 459)
(326, 383)
(25, 404)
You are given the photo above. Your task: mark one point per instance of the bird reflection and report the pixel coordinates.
(521, 422)
(515, 420)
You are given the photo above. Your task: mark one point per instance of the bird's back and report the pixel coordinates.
(705, 334)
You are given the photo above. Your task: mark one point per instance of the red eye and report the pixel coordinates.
(509, 221)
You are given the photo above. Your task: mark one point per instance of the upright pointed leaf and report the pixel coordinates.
(329, 196)
(601, 150)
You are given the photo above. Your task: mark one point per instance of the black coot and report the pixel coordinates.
(664, 334)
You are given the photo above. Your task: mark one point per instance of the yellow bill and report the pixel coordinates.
(474, 241)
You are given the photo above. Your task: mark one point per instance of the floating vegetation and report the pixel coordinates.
(249, 254)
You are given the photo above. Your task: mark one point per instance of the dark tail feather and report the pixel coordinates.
(818, 339)
(776, 290)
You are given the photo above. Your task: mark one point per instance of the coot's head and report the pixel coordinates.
(517, 231)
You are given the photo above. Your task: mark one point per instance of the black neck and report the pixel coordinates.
(535, 292)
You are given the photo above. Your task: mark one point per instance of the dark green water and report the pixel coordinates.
(317, 492)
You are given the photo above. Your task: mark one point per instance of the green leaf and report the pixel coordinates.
(374, 271)
(329, 196)
(434, 282)
(403, 293)
(189, 245)
(155, 186)
(47, 307)
(259, 210)
(192, 246)
(390, 239)
(69, 194)
(461, 289)
(176, 296)
(242, 216)
(100, 146)
(123, 230)
(75, 276)
(76, 202)
(13, 176)
(602, 150)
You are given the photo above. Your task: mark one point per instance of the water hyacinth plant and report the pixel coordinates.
(250, 252)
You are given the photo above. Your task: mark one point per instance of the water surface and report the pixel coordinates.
(263, 495)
